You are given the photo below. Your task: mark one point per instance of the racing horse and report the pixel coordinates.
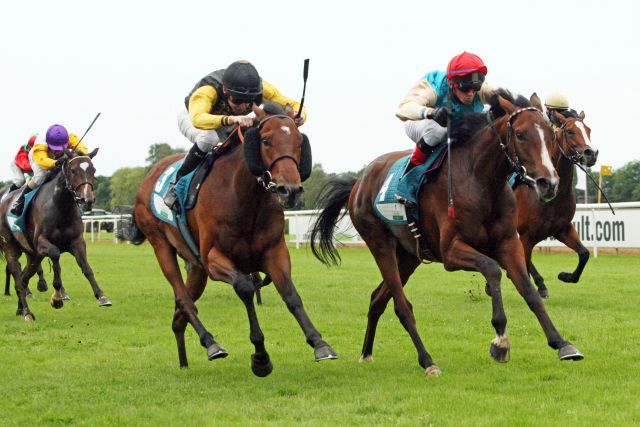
(238, 226)
(53, 226)
(538, 220)
(479, 234)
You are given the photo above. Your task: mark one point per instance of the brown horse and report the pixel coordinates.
(481, 237)
(238, 226)
(54, 225)
(538, 220)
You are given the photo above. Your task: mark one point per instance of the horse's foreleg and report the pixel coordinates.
(42, 282)
(79, 252)
(569, 237)
(527, 246)
(277, 265)
(7, 284)
(221, 268)
(46, 248)
(380, 297)
(511, 257)
(459, 255)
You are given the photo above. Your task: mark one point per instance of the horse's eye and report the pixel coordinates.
(73, 171)
(520, 135)
(570, 132)
(265, 142)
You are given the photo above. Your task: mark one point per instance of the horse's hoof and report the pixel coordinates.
(215, 351)
(567, 278)
(487, 289)
(544, 292)
(569, 352)
(29, 317)
(104, 301)
(42, 286)
(499, 354)
(366, 359)
(325, 352)
(433, 371)
(261, 367)
(56, 303)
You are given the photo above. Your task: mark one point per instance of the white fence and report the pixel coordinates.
(596, 226)
(93, 225)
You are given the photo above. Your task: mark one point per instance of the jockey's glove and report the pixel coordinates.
(440, 115)
(59, 163)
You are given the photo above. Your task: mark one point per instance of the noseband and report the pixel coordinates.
(266, 180)
(68, 185)
(515, 163)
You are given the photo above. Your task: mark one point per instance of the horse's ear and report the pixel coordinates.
(92, 154)
(306, 162)
(506, 105)
(288, 110)
(70, 154)
(252, 154)
(259, 112)
(535, 101)
(581, 115)
(559, 117)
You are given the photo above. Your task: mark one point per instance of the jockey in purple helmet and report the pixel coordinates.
(45, 156)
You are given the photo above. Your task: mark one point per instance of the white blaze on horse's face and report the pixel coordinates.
(84, 166)
(286, 129)
(545, 157)
(585, 135)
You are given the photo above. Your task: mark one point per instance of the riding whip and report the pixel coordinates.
(86, 131)
(450, 208)
(305, 74)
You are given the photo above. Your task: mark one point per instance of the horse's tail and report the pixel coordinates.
(128, 230)
(333, 197)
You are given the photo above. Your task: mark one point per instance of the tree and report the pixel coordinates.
(102, 192)
(125, 183)
(159, 151)
(312, 187)
(625, 183)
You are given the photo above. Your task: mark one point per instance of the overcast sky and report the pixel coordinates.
(134, 61)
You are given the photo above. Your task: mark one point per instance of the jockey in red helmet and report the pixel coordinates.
(20, 166)
(427, 105)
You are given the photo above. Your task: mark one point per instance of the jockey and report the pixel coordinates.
(557, 102)
(47, 155)
(427, 105)
(20, 164)
(218, 103)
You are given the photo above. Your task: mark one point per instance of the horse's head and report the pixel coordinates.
(277, 153)
(78, 172)
(575, 138)
(527, 136)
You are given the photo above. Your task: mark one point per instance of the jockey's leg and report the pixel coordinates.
(426, 134)
(18, 203)
(18, 177)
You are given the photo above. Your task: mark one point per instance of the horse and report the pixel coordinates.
(53, 226)
(537, 220)
(238, 226)
(42, 282)
(478, 234)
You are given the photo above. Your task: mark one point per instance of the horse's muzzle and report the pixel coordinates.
(546, 188)
(590, 156)
(288, 195)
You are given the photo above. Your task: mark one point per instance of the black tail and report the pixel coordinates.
(333, 197)
(128, 230)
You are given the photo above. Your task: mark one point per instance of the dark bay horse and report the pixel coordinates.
(54, 225)
(238, 226)
(482, 235)
(538, 220)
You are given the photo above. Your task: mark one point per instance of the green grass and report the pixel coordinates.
(85, 365)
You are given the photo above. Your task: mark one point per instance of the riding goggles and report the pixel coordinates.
(238, 100)
(466, 87)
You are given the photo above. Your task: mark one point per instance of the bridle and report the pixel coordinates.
(574, 157)
(516, 164)
(70, 186)
(266, 180)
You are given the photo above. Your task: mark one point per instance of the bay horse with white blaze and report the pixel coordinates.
(481, 237)
(238, 226)
(53, 226)
(538, 220)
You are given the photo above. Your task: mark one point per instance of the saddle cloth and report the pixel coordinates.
(18, 223)
(400, 189)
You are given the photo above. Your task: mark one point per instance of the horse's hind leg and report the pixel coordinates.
(42, 282)
(462, 256)
(221, 268)
(512, 259)
(277, 265)
(528, 246)
(570, 237)
(380, 297)
(7, 284)
(79, 251)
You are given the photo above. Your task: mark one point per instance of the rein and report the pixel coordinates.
(515, 163)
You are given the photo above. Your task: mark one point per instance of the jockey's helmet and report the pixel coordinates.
(57, 137)
(467, 68)
(556, 100)
(241, 80)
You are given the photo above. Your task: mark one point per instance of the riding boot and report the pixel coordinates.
(13, 187)
(18, 204)
(420, 154)
(193, 159)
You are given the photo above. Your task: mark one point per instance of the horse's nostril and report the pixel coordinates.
(543, 183)
(282, 190)
(588, 152)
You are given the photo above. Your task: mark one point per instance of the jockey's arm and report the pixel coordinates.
(200, 104)
(417, 102)
(41, 156)
(271, 93)
(76, 145)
